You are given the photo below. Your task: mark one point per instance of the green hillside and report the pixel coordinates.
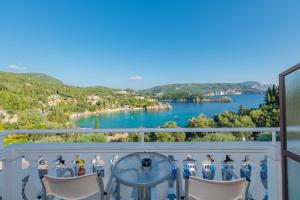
(11, 81)
(35, 94)
(47, 98)
(204, 88)
(25, 91)
(39, 101)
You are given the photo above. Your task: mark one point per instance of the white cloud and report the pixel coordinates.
(16, 67)
(136, 78)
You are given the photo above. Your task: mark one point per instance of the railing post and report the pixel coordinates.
(142, 137)
(1, 142)
(273, 137)
(2, 182)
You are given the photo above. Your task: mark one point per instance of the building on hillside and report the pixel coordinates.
(54, 100)
(93, 99)
(121, 92)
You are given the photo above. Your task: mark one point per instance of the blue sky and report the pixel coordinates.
(140, 44)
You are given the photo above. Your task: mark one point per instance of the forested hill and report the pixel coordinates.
(11, 80)
(25, 97)
(209, 89)
(17, 79)
(39, 101)
(22, 91)
(19, 91)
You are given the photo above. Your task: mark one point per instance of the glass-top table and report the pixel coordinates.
(142, 170)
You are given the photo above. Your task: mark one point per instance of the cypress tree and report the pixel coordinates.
(97, 124)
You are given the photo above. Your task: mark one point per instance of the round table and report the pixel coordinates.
(142, 170)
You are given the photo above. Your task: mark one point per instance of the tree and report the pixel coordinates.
(97, 124)
(258, 117)
(216, 137)
(58, 115)
(272, 96)
(269, 116)
(136, 137)
(243, 110)
(95, 137)
(231, 119)
(167, 136)
(199, 122)
(31, 119)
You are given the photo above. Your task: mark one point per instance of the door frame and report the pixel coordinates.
(284, 152)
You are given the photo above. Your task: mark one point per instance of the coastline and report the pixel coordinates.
(223, 99)
(158, 107)
(74, 116)
(181, 112)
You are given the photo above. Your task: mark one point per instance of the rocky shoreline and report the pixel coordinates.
(160, 106)
(221, 99)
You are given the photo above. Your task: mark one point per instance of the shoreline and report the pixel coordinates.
(159, 107)
(85, 114)
(223, 99)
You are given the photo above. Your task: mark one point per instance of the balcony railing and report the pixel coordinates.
(21, 162)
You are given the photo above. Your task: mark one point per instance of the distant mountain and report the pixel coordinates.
(207, 89)
(19, 91)
(40, 77)
(22, 91)
(9, 80)
(33, 100)
(45, 98)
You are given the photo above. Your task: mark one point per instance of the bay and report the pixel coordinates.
(181, 113)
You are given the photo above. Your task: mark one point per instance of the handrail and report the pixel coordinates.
(142, 131)
(139, 130)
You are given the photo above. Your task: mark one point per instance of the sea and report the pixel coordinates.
(180, 113)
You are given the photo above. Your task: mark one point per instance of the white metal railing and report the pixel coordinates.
(20, 160)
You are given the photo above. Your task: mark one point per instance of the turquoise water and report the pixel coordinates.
(180, 113)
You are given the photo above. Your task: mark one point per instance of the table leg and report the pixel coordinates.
(116, 192)
(144, 193)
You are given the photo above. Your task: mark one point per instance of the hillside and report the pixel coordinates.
(25, 95)
(19, 91)
(34, 94)
(206, 89)
(9, 81)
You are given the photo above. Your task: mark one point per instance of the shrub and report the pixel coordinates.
(216, 137)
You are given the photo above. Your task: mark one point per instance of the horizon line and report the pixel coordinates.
(115, 88)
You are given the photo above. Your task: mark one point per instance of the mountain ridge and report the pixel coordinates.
(192, 88)
(206, 89)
